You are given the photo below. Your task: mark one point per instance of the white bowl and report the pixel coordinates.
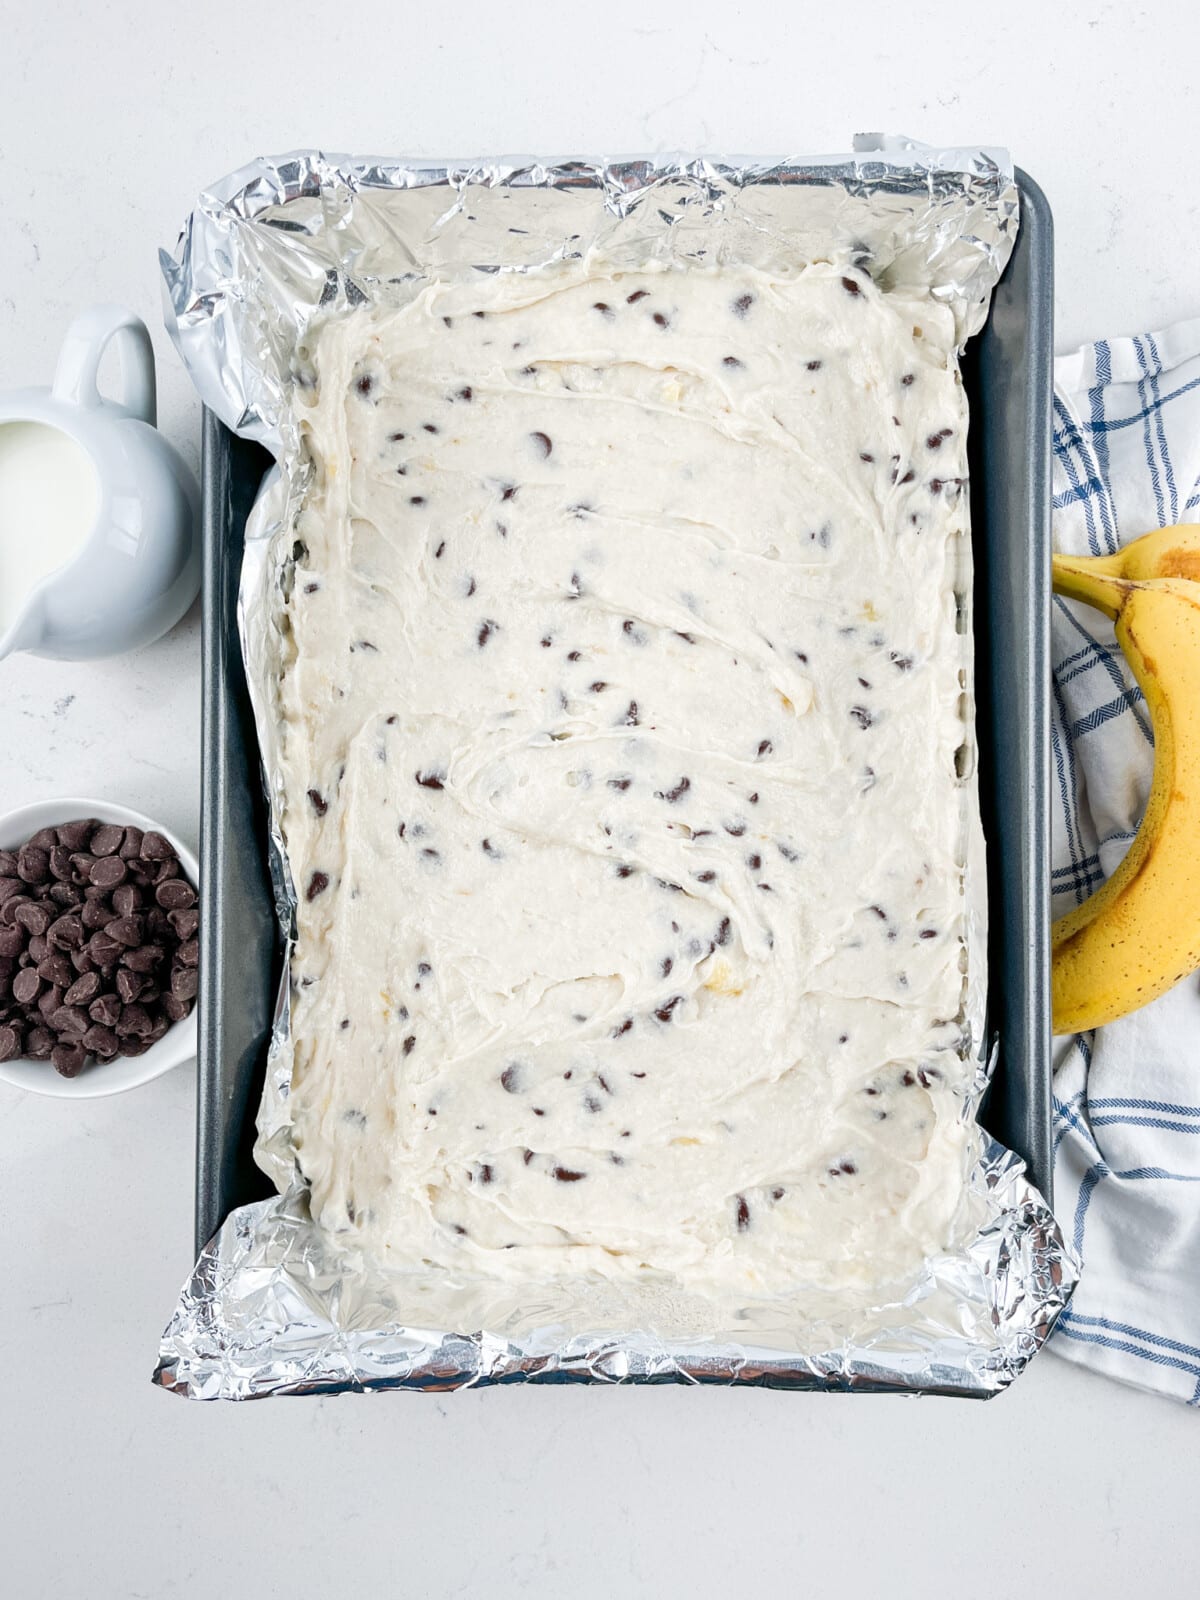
(177, 1045)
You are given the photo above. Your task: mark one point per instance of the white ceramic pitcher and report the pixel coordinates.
(136, 571)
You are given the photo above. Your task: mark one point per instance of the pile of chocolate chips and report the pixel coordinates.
(98, 948)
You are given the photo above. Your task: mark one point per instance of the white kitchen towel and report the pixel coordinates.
(1127, 1096)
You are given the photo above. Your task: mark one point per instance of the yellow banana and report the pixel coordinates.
(1165, 553)
(1139, 934)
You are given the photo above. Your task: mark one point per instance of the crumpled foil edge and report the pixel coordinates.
(253, 1320)
(272, 1306)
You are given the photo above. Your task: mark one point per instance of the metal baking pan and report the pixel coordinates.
(1007, 371)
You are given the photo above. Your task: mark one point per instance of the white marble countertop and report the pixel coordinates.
(112, 120)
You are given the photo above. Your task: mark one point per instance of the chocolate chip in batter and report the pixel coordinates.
(486, 629)
(742, 304)
(604, 309)
(542, 441)
(850, 286)
(676, 793)
(861, 716)
(731, 362)
(622, 1027)
(430, 780)
(661, 321)
(812, 366)
(638, 294)
(317, 884)
(621, 783)
(742, 1214)
(409, 1044)
(567, 1175)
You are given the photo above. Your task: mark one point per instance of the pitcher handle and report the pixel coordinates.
(79, 360)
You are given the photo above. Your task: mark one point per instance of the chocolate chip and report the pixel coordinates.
(742, 304)
(154, 847)
(129, 984)
(175, 1008)
(731, 362)
(861, 716)
(39, 1042)
(660, 321)
(108, 872)
(65, 895)
(96, 914)
(68, 1059)
(126, 900)
(101, 1041)
(85, 989)
(131, 845)
(543, 443)
(60, 863)
(188, 954)
(31, 916)
(135, 1020)
(850, 286)
(185, 923)
(486, 629)
(71, 1020)
(67, 932)
(430, 780)
(49, 1001)
(108, 839)
(510, 1078)
(75, 835)
(126, 931)
(12, 940)
(638, 294)
(33, 864)
(146, 957)
(676, 793)
(742, 1214)
(812, 366)
(26, 986)
(105, 1010)
(105, 949)
(318, 801)
(567, 1175)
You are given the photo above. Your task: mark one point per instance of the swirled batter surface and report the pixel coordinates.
(622, 696)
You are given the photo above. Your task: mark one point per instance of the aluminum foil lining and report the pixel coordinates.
(274, 1304)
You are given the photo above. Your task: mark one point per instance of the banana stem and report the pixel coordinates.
(1077, 578)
